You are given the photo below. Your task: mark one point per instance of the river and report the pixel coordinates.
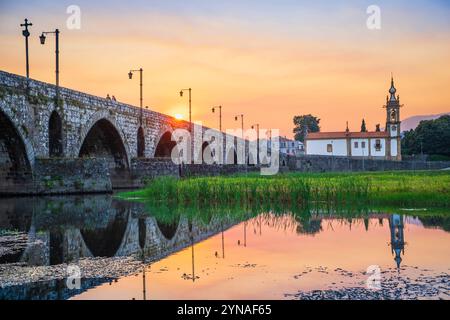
(123, 250)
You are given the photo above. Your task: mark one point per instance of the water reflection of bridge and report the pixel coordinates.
(65, 229)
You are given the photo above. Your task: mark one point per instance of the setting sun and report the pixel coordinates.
(178, 116)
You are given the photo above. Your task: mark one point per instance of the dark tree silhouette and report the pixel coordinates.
(431, 137)
(304, 124)
(363, 126)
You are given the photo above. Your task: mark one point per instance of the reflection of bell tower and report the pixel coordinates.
(393, 150)
(397, 237)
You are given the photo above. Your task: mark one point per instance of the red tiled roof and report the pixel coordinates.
(344, 134)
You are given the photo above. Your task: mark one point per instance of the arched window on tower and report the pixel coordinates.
(393, 115)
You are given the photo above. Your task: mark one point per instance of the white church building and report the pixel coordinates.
(372, 145)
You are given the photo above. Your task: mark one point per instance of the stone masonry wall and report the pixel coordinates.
(213, 170)
(58, 176)
(145, 169)
(328, 163)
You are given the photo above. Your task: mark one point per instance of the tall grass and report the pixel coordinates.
(305, 191)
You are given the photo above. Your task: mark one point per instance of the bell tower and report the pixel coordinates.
(393, 123)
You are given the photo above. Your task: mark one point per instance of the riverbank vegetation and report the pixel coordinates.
(303, 191)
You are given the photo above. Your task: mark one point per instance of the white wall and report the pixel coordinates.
(392, 131)
(359, 152)
(393, 147)
(376, 153)
(319, 147)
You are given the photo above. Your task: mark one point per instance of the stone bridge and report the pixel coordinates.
(61, 140)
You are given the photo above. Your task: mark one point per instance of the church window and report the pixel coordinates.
(356, 144)
(393, 115)
(329, 147)
(378, 145)
(363, 144)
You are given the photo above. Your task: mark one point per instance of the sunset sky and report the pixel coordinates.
(270, 60)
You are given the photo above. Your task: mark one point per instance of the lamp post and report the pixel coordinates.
(269, 146)
(26, 34)
(257, 140)
(130, 76)
(213, 109)
(242, 123)
(42, 39)
(190, 105)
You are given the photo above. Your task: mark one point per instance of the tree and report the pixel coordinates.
(363, 126)
(430, 137)
(304, 124)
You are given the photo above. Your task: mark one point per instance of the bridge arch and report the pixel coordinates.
(15, 165)
(103, 139)
(102, 115)
(55, 142)
(164, 144)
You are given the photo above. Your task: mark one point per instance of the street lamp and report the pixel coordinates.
(190, 104)
(242, 123)
(42, 40)
(257, 140)
(26, 34)
(130, 76)
(213, 109)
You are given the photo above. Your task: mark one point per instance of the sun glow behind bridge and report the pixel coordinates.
(178, 116)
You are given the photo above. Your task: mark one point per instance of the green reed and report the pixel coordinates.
(329, 190)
